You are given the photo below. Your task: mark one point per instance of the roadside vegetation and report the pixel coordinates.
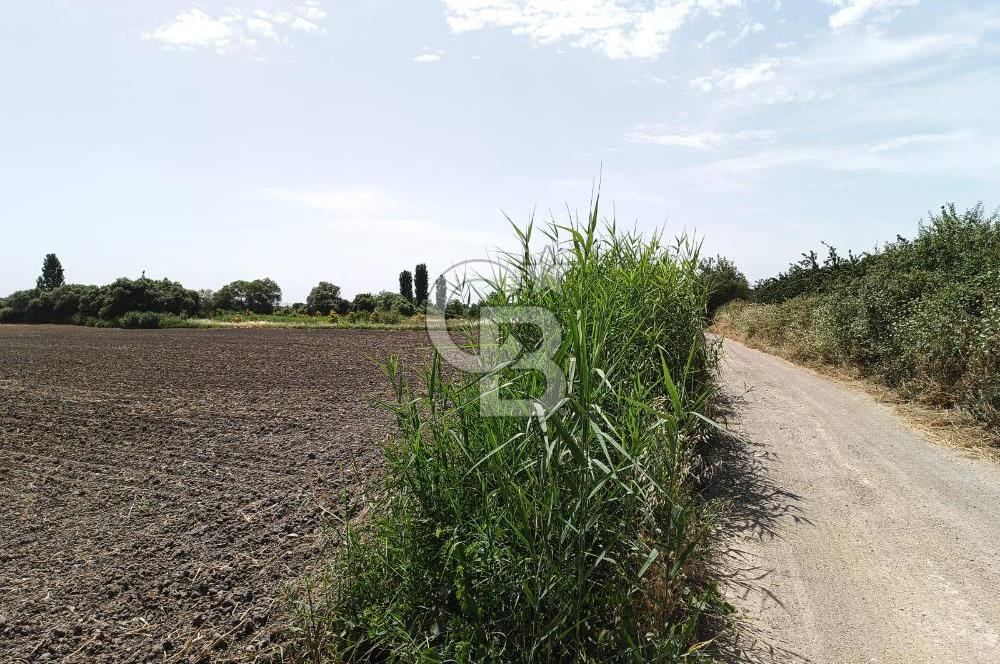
(575, 537)
(921, 316)
(151, 303)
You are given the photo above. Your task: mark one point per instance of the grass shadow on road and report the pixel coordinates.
(754, 509)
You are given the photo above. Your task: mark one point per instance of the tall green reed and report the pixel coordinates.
(574, 537)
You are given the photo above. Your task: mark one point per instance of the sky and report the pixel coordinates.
(323, 140)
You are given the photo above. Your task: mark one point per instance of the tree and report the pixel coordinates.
(420, 279)
(259, 296)
(325, 298)
(206, 298)
(441, 293)
(52, 274)
(145, 294)
(725, 282)
(406, 285)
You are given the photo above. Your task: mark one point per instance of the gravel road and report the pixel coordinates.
(867, 543)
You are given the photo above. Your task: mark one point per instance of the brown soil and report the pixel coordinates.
(159, 489)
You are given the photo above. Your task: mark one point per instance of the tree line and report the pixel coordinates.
(52, 300)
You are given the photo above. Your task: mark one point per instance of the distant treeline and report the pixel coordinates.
(159, 300)
(923, 314)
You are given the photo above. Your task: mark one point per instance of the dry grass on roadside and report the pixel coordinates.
(949, 427)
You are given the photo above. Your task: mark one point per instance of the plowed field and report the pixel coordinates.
(158, 489)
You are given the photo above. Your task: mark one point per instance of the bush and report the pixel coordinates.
(574, 538)
(363, 302)
(139, 320)
(456, 309)
(388, 301)
(8, 315)
(386, 317)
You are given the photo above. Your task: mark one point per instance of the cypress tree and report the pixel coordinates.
(406, 285)
(420, 283)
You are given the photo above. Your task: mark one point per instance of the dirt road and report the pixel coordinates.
(866, 543)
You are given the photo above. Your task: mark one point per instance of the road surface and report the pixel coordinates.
(857, 540)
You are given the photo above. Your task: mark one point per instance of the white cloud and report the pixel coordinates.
(841, 64)
(853, 11)
(195, 28)
(429, 55)
(617, 28)
(659, 134)
(235, 30)
(737, 78)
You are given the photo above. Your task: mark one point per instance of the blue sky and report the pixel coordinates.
(341, 141)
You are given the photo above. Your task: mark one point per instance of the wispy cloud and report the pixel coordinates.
(237, 30)
(955, 154)
(842, 63)
(616, 28)
(914, 140)
(736, 78)
(851, 12)
(712, 37)
(659, 134)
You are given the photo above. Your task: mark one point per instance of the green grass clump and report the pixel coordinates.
(578, 537)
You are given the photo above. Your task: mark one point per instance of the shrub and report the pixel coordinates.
(359, 316)
(389, 301)
(456, 309)
(8, 315)
(363, 302)
(139, 320)
(573, 538)
(386, 317)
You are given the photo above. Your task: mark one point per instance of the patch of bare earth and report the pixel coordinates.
(159, 489)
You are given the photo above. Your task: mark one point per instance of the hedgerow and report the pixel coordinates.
(920, 315)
